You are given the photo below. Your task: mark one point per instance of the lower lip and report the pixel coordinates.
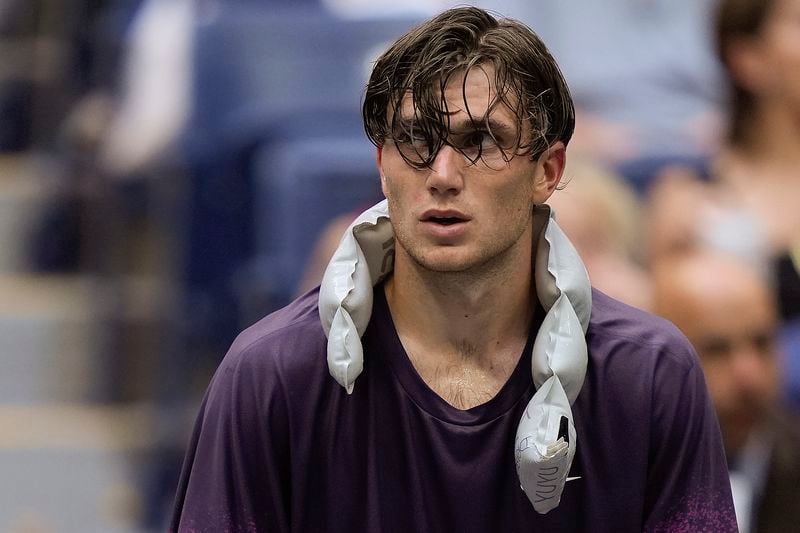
(445, 231)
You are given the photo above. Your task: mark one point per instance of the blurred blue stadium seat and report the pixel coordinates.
(256, 60)
(300, 186)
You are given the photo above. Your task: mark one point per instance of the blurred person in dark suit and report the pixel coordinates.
(601, 215)
(727, 311)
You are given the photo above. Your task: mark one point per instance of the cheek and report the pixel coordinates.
(517, 196)
(398, 195)
(771, 377)
(718, 381)
(392, 185)
(388, 180)
(786, 55)
(395, 174)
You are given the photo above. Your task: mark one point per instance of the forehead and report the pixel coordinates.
(468, 95)
(708, 314)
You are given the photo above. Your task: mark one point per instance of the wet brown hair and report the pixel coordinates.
(737, 20)
(527, 79)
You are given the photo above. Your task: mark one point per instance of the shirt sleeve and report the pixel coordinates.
(688, 488)
(235, 475)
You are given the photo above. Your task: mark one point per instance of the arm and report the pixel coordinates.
(688, 488)
(235, 475)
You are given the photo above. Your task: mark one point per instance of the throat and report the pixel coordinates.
(464, 388)
(462, 381)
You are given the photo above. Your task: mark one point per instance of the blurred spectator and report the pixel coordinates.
(53, 53)
(727, 311)
(74, 66)
(600, 213)
(326, 244)
(749, 206)
(155, 94)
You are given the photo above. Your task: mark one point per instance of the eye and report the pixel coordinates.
(763, 342)
(413, 148)
(418, 142)
(479, 139)
(408, 138)
(715, 347)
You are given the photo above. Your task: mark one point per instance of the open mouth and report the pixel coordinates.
(445, 221)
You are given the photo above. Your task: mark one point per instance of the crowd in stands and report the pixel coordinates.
(178, 126)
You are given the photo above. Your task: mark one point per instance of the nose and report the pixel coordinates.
(446, 175)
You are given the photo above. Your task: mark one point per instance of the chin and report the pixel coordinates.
(445, 264)
(459, 261)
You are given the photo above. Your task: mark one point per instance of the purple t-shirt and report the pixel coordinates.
(280, 446)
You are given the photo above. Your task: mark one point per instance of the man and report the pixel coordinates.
(432, 312)
(728, 312)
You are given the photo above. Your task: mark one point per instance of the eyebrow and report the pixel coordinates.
(495, 126)
(467, 125)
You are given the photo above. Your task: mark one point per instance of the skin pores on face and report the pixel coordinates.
(460, 216)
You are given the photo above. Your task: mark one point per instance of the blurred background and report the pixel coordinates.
(172, 170)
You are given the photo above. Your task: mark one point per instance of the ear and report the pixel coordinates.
(548, 172)
(379, 160)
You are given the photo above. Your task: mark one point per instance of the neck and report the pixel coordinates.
(774, 138)
(480, 314)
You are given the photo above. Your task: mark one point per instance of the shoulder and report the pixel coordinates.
(281, 347)
(617, 330)
(241, 444)
(634, 354)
